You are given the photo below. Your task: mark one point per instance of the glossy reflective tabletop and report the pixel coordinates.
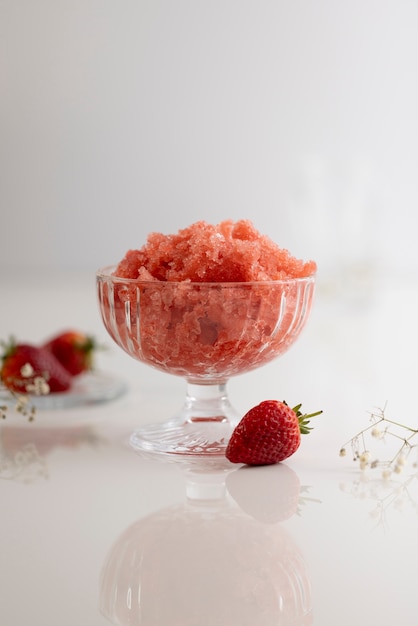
(92, 533)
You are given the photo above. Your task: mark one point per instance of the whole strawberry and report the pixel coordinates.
(31, 369)
(73, 349)
(269, 433)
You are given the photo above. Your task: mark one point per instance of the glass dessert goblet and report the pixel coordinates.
(204, 332)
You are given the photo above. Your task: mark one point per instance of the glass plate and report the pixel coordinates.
(87, 389)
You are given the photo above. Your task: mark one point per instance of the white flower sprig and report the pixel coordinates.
(398, 440)
(35, 385)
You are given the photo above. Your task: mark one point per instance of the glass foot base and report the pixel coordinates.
(200, 430)
(191, 439)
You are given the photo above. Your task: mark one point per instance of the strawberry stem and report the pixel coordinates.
(304, 419)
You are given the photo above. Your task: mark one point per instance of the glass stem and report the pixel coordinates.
(208, 403)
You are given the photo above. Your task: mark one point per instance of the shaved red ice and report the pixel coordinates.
(227, 252)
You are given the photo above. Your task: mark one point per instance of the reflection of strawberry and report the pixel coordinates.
(73, 349)
(268, 433)
(269, 494)
(24, 365)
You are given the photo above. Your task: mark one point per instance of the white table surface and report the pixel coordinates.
(90, 531)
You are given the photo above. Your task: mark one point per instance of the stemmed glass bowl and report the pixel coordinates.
(205, 333)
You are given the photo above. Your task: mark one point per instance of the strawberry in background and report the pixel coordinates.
(26, 368)
(73, 349)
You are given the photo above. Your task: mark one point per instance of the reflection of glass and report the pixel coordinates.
(205, 562)
(206, 333)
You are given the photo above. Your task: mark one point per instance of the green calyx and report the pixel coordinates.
(85, 344)
(86, 348)
(8, 348)
(304, 419)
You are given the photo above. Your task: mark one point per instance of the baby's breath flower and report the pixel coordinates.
(364, 457)
(44, 387)
(39, 386)
(21, 403)
(36, 385)
(387, 432)
(27, 371)
(343, 452)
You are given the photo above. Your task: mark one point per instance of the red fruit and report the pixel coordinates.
(24, 364)
(74, 350)
(269, 433)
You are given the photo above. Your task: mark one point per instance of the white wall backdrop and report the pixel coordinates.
(120, 117)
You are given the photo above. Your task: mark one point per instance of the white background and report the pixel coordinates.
(121, 117)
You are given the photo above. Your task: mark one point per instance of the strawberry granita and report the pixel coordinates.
(208, 302)
(227, 252)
